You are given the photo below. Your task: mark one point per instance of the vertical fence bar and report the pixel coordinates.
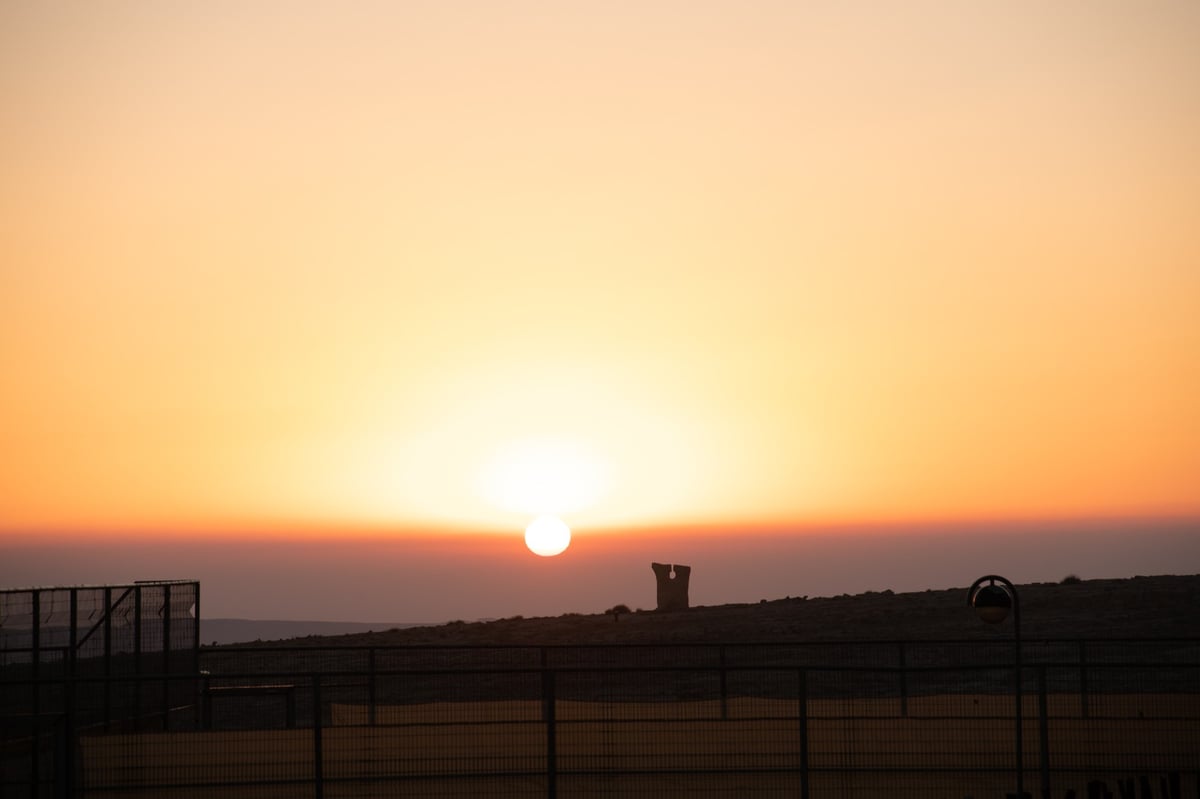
(550, 716)
(166, 629)
(1043, 732)
(64, 765)
(197, 694)
(196, 630)
(802, 690)
(137, 628)
(371, 686)
(1018, 709)
(724, 688)
(137, 656)
(35, 643)
(166, 656)
(108, 611)
(72, 630)
(1083, 680)
(318, 743)
(903, 657)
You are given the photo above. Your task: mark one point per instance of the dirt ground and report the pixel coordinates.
(756, 749)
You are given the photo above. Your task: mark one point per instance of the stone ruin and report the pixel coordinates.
(672, 585)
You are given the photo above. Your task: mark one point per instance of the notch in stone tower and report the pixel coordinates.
(672, 585)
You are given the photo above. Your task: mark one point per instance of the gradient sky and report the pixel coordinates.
(379, 267)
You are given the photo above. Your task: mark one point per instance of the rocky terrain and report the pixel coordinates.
(1138, 607)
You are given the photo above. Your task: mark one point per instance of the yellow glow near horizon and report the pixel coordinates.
(738, 262)
(544, 476)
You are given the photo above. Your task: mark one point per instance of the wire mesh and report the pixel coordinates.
(61, 650)
(720, 721)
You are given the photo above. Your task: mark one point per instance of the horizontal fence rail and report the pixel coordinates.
(873, 719)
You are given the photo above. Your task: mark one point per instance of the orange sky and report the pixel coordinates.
(402, 265)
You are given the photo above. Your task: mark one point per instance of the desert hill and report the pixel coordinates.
(1138, 607)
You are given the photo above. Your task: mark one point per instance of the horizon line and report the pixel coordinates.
(316, 531)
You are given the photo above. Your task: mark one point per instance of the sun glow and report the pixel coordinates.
(544, 476)
(679, 280)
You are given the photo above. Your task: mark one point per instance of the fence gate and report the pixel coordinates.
(63, 651)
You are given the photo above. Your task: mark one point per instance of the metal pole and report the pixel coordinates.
(318, 743)
(1083, 680)
(108, 609)
(166, 628)
(36, 654)
(802, 690)
(549, 713)
(197, 693)
(972, 595)
(72, 630)
(371, 687)
(166, 656)
(1017, 692)
(1043, 732)
(724, 687)
(196, 633)
(137, 656)
(35, 766)
(66, 768)
(137, 629)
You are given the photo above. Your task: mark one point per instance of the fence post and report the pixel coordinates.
(371, 687)
(137, 657)
(1083, 680)
(108, 653)
(196, 629)
(72, 631)
(68, 753)
(318, 744)
(1043, 731)
(724, 690)
(548, 713)
(903, 653)
(802, 690)
(35, 766)
(166, 656)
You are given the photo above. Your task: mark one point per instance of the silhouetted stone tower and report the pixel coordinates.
(672, 588)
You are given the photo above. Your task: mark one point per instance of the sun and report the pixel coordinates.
(546, 478)
(547, 536)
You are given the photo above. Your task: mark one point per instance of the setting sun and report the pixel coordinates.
(547, 535)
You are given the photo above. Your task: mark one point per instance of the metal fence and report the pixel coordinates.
(871, 719)
(75, 657)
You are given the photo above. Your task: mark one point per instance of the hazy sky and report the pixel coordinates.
(383, 266)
